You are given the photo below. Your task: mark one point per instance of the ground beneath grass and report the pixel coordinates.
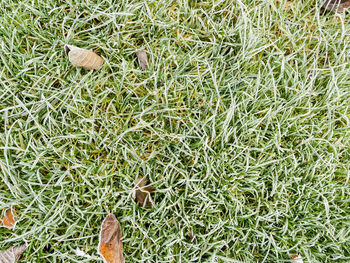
(241, 122)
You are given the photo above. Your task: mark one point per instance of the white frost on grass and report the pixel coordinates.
(82, 253)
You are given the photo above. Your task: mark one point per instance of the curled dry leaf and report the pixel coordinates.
(143, 192)
(336, 5)
(12, 254)
(296, 258)
(9, 219)
(83, 58)
(110, 246)
(142, 58)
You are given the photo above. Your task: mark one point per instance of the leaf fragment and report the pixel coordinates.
(143, 192)
(337, 6)
(12, 254)
(110, 246)
(142, 58)
(9, 219)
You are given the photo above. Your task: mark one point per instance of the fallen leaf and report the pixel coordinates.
(84, 58)
(296, 258)
(142, 58)
(143, 192)
(110, 246)
(12, 254)
(336, 5)
(9, 219)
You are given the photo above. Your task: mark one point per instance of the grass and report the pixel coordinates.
(241, 123)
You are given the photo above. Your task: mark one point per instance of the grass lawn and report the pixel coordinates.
(241, 123)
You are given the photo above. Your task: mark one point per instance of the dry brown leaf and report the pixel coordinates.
(336, 5)
(143, 192)
(296, 258)
(142, 58)
(9, 219)
(12, 254)
(110, 246)
(83, 58)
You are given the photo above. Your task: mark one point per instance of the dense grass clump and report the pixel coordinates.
(241, 122)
